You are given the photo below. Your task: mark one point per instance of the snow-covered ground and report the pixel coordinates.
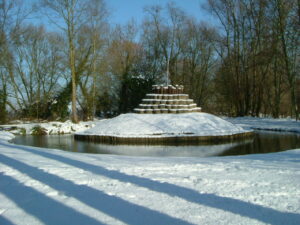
(50, 128)
(286, 125)
(47, 186)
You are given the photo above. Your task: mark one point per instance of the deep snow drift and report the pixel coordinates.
(46, 186)
(164, 125)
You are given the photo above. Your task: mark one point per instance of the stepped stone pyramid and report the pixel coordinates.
(167, 99)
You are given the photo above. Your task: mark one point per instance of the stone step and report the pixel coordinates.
(170, 89)
(167, 101)
(166, 96)
(166, 106)
(157, 111)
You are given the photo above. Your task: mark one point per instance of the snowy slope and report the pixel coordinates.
(45, 186)
(164, 125)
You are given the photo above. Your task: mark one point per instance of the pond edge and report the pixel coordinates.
(163, 140)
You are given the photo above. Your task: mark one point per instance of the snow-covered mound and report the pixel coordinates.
(164, 125)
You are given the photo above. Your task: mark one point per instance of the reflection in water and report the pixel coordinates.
(171, 151)
(267, 142)
(263, 142)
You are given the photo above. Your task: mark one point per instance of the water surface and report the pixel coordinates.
(262, 142)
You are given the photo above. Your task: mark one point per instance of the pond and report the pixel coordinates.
(262, 142)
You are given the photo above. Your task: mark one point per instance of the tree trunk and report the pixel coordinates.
(71, 34)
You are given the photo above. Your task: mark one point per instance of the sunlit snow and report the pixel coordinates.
(47, 186)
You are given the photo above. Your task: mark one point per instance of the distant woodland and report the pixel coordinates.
(80, 66)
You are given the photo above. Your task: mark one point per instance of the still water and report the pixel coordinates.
(262, 142)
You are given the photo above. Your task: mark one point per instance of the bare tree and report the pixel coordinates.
(246, 53)
(92, 42)
(70, 16)
(288, 31)
(124, 54)
(12, 15)
(198, 61)
(165, 36)
(35, 71)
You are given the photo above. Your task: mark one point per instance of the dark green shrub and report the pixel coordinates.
(38, 130)
(22, 131)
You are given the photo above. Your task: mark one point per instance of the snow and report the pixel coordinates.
(4, 135)
(164, 125)
(51, 128)
(285, 125)
(47, 186)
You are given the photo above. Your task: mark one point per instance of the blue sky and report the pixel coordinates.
(123, 11)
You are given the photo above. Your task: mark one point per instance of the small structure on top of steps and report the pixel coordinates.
(167, 99)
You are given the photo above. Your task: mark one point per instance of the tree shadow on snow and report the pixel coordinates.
(46, 209)
(242, 208)
(4, 221)
(40, 206)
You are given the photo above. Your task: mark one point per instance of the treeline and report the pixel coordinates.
(245, 64)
